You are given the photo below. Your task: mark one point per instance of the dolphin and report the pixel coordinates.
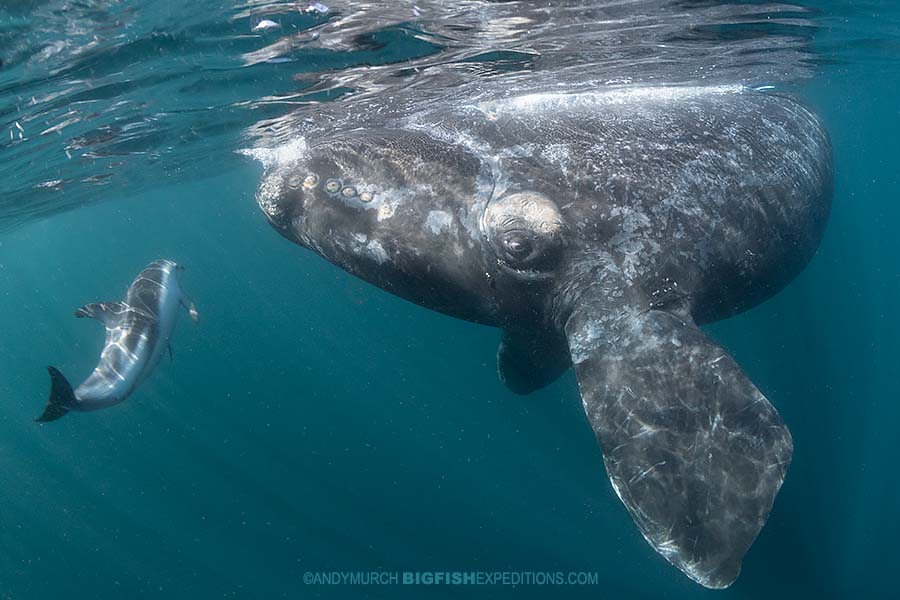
(137, 333)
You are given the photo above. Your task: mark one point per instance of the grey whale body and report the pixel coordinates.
(597, 230)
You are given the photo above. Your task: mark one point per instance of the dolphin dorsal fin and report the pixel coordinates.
(107, 313)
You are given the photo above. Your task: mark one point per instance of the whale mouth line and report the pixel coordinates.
(526, 274)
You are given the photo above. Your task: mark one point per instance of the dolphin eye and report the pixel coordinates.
(517, 246)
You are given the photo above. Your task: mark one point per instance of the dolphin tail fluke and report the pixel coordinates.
(62, 398)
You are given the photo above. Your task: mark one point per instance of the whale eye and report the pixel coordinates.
(526, 232)
(516, 246)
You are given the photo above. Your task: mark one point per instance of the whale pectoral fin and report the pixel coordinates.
(694, 451)
(107, 313)
(528, 361)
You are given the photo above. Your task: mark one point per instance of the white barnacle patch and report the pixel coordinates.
(377, 251)
(385, 211)
(270, 190)
(390, 200)
(311, 181)
(437, 221)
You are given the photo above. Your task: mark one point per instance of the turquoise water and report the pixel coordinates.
(310, 422)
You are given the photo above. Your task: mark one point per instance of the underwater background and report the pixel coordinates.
(311, 422)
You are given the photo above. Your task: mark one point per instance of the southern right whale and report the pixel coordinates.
(137, 334)
(599, 230)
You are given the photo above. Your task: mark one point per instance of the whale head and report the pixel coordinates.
(416, 217)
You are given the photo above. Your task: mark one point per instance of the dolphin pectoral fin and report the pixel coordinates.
(694, 451)
(528, 361)
(107, 313)
(188, 304)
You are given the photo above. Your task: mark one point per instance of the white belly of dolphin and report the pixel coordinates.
(132, 351)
